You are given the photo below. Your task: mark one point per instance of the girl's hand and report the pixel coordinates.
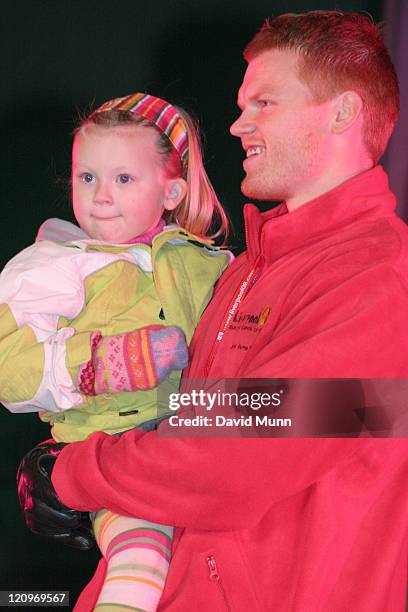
(136, 360)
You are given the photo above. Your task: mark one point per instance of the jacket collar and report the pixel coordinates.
(277, 232)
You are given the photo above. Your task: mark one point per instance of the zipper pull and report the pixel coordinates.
(257, 269)
(214, 575)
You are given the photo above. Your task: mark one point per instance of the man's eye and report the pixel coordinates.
(87, 177)
(262, 102)
(124, 179)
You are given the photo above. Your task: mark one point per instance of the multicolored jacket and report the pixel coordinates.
(53, 295)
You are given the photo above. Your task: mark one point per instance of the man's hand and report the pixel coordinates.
(44, 513)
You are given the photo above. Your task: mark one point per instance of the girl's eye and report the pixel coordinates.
(87, 177)
(124, 179)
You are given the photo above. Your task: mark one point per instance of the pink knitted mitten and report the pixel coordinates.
(135, 360)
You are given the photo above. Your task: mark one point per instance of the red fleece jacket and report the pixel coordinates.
(290, 525)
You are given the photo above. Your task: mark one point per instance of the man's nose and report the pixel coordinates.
(243, 125)
(103, 194)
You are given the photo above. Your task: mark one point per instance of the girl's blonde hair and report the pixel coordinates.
(200, 211)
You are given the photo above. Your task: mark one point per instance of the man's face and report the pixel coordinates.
(285, 134)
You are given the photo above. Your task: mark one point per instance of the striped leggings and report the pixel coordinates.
(137, 553)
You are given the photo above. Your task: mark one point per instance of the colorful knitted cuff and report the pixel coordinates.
(169, 350)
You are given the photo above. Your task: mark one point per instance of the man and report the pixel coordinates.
(284, 524)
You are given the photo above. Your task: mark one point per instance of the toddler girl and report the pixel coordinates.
(93, 319)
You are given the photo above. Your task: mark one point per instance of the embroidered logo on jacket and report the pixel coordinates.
(249, 318)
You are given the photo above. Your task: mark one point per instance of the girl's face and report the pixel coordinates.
(119, 186)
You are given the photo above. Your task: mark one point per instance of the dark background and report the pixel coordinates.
(64, 57)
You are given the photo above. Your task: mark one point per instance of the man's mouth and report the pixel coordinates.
(253, 151)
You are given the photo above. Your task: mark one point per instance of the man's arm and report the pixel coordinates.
(196, 483)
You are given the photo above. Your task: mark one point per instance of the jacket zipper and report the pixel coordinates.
(238, 296)
(215, 577)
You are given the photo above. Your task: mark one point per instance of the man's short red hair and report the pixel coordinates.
(338, 52)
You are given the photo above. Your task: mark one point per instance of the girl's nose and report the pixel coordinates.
(103, 194)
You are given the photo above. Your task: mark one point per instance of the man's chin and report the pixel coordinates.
(258, 191)
(253, 191)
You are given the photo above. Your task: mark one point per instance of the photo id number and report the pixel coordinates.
(34, 598)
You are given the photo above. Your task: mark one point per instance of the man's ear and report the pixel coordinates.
(175, 191)
(347, 109)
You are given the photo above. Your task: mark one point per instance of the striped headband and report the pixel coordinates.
(158, 111)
